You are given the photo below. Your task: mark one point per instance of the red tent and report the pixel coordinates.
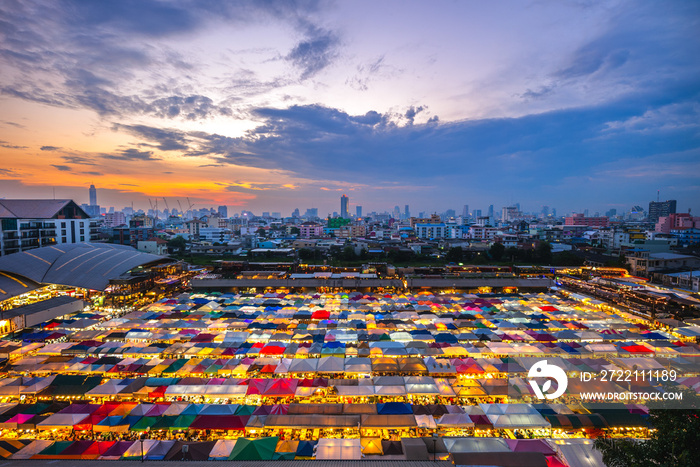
(281, 387)
(320, 314)
(220, 422)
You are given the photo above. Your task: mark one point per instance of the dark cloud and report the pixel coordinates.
(8, 172)
(84, 54)
(167, 140)
(5, 144)
(62, 168)
(411, 113)
(14, 124)
(131, 155)
(97, 174)
(315, 52)
(190, 108)
(541, 92)
(49, 148)
(78, 159)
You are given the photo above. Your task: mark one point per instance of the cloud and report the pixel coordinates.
(78, 159)
(190, 108)
(316, 52)
(8, 172)
(131, 155)
(62, 168)
(5, 144)
(167, 140)
(672, 117)
(49, 148)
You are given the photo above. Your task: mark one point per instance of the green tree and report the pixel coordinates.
(496, 251)
(294, 231)
(543, 253)
(261, 232)
(455, 255)
(177, 244)
(674, 442)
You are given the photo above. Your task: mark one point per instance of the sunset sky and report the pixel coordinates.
(274, 105)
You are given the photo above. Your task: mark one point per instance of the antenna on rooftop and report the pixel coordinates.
(657, 195)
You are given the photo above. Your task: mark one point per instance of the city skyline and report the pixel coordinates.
(279, 106)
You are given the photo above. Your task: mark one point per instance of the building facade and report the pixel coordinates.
(26, 224)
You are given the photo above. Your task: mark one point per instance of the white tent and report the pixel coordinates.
(338, 449)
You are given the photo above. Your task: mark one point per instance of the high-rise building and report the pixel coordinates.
(477, 213)
(450, 213)
(344, 202)
(490, 212)
(465, 211)
(295, 213)
(509, 213)
(661, 209)
(358, 211)
(223, 212)
(406, 212)
(93, 195)
(311, 213)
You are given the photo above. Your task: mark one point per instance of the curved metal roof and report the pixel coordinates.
(85, 265)
(12, 285)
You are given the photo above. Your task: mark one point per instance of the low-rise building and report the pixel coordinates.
(155, 246)
(643, 263)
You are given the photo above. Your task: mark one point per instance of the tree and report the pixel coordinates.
(294, 231)
(675, 441)
(261, 232)
(543, 253)
(177, 244)
(496, 251)
(455, 255)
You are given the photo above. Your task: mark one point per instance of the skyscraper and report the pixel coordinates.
(465, 211)
(223, 212)
(344, 201)
(406, 212)
(93, 195)
(661, 209)
(490, 212)
(358, 211)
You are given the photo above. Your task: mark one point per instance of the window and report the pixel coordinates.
(82, 238)
(63, 225)
(63, 240)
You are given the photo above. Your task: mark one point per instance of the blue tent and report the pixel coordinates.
(394, 408)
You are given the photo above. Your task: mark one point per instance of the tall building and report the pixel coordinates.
(93, 195)
(223, 212)
(509, 213)
(661, 209)
(450, 213)
(477, 213)
(465, 211)
(406, 212)
(490, 211)
(344, 202)
(358, 211)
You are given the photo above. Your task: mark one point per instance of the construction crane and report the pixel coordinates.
(182, 213)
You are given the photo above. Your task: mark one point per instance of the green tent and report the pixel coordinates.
(145, 423)
(55, 449)
(245, 409)
(258, 449)
(162, 423)
(182, 422)
(283, 456)
(176, 365)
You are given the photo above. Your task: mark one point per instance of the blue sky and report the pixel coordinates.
(269, 106)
